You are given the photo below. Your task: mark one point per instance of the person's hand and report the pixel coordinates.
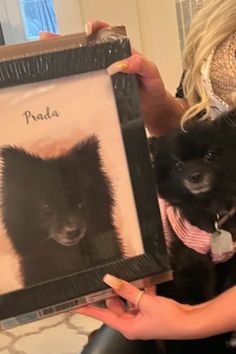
(48, 35)
(161, 111)
(152, 90)
(151, 317)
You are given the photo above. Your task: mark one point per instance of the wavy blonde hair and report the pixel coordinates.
(214, 21)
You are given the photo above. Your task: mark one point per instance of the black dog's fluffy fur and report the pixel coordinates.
(195, 171)
(58, 211)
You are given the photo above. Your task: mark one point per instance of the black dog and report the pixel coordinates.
(195, 171)
(58, 211)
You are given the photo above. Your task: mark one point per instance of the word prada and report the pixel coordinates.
(30, 117)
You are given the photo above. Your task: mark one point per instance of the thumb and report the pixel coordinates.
(124, 289)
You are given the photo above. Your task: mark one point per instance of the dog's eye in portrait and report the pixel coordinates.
(211, 155)
(45, 210)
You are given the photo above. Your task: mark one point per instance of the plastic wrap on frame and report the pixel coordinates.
(64, 57)
(75, 54)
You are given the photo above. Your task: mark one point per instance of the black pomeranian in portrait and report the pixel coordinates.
(195, 171)
(58, 211)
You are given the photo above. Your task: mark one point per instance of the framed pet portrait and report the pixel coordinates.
(77, 194)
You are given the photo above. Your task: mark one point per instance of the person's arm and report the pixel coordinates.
(215, 316)
(161, 318)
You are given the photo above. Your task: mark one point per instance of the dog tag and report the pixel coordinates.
(221, 242)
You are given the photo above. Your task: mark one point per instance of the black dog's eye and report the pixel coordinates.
(80, 205)
(178, 165)
(211, 155)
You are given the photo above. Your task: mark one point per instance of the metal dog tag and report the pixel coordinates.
(221, 242)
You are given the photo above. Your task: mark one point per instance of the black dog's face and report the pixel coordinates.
(198, 174)
(66, 232)
(64, 199)
(187, 162)
(61, 219)
(61, 205)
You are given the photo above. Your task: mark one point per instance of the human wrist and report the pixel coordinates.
(165, 114)
(200, 321)
(176, 104)
(187, 324)
(195, 323)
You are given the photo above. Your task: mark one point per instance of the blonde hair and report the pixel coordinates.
(214, 22)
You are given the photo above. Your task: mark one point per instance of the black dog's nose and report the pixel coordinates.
(196, 177)
(73, 234)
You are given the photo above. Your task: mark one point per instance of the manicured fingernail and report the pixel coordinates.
(117, 67)
(113, 282)
(88, 28)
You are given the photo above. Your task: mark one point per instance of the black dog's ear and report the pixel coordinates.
(21, 172)
(17, 159)
(86, 152)
(155, 145)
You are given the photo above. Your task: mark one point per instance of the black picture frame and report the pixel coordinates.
(73, 55)
(2, 40)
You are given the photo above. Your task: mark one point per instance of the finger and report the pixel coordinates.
(126, 290)
(116, 305)
(48, 35)
(151, 291)
(106, 316)
(94, 25)
(136, 64)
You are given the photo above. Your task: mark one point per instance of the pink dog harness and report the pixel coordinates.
(193, 237)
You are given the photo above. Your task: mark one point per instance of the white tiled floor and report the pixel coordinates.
(61, 334)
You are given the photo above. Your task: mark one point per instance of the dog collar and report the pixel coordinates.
(191, 236)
